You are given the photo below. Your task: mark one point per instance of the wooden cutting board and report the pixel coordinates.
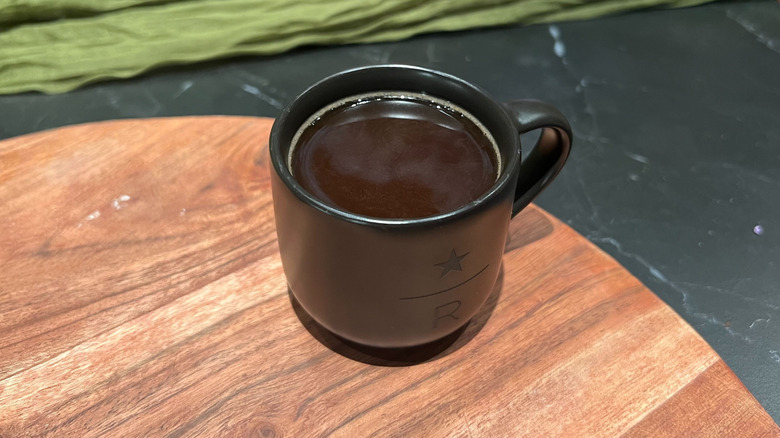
(141, 294)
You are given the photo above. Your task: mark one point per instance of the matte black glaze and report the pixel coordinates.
(403, 282)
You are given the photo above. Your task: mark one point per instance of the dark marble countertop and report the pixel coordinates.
(676, 165)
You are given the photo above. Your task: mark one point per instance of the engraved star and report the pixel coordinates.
(453, 264)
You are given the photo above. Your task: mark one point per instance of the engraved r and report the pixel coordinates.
(445, 311)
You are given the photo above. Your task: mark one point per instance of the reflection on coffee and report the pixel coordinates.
(394, 155)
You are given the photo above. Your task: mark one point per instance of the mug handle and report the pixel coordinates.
(548, 155)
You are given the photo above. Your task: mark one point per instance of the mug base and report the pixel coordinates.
(381, 356)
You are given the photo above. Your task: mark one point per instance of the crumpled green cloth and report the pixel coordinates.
(54, 46)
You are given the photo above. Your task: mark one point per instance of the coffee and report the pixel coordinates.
(394, 155)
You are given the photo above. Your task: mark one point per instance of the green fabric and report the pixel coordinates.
(57, 45)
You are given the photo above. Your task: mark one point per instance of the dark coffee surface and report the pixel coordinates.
(395, 158)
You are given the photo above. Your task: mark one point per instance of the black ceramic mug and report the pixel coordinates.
(377, 281)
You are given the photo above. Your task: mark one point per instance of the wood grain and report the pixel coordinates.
(141, 294)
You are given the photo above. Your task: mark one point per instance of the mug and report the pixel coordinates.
(406, 282)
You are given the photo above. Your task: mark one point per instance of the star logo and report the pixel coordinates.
(453, 264)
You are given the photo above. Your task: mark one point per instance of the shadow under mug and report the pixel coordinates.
(379, 282)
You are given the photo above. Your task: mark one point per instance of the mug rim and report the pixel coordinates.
(279, 161)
